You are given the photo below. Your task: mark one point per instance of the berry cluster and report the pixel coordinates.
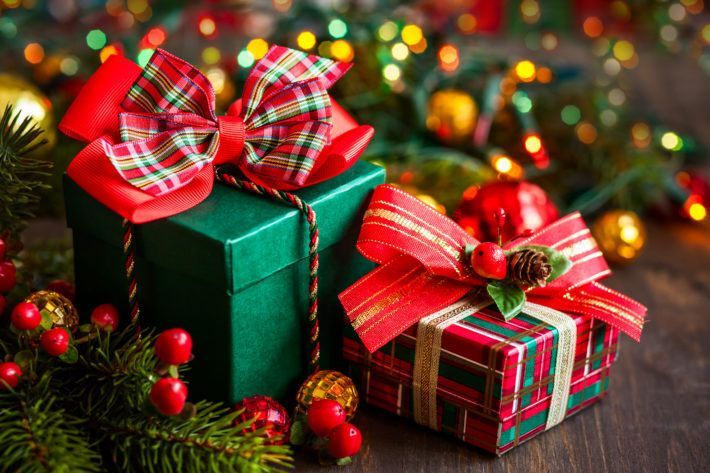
(326, 419)
(8, 275)
(169, 394)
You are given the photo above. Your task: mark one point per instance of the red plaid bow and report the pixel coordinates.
(285, 133)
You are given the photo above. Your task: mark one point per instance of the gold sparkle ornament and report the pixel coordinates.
(30, 102)
(328, 384)
(620, 234)
(452, 115)
(60, 309)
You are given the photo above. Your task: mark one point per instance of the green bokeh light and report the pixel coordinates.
(570, 114)
(144, 56)
(245, 59)
(337, 28)
(96, 39)
(522, 101)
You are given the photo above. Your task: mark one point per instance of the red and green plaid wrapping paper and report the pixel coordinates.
(495, 378)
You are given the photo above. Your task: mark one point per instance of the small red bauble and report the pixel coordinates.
(105, 317)
(488, 260)
(3, 249)
(168, 395)
(324, 415)
(25, 316)
(55, 341)
(344, 441)
(268, 414)
(10, 373)
(174, 346)
(63, 287)
(8, 276)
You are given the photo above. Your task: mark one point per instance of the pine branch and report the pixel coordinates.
(208, 441)
(21, 175)
(36, 435)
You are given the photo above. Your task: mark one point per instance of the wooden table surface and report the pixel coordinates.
(656, 416)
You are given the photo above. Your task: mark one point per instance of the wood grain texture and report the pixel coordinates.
(656, 416)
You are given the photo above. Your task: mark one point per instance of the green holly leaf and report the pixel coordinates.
(299, 432)
(85, 328)
(24, 359)
(46, 322)
(173, 371)
(559, 262)
(71, 356)
(344, 461)
(508, 298)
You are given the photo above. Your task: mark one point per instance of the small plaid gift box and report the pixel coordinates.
(493, 361)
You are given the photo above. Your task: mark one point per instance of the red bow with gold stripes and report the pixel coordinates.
(424, 268)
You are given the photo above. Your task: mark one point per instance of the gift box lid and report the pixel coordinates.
(247, 237)
(499, 369)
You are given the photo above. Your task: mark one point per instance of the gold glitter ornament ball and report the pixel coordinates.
(620, 234)
(328, 384)
(30, 102)
(452, 115)
(60, 309)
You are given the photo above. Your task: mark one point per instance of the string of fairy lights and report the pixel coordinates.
(400, 39)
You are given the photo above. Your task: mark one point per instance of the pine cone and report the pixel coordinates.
(528, 267)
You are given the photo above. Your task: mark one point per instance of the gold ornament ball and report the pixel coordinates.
(328, 384)
(30, 102)
(452, 115)
(60, 309)
(620, 234)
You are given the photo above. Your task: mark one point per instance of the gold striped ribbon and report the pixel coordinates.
(428, 353)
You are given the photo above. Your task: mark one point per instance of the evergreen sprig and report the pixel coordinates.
(22, 176)
(37, 435)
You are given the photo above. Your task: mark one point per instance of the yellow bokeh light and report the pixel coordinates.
(391, 72)
(258, 48)
(400, 51)
(503, 164)
(525, 70)
(623, 50)
(420, 47)
(467, 23)
(342, 51)
(306, 40)
(217, 78)
(697, 211)
(107, 52)
(211, 55)
(533, 144)
(207, 26)
(670, 140)
(629, 233)
(412, 34)
(387, 31)
(449, 57)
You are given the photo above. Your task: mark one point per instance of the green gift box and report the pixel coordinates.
(233, 271)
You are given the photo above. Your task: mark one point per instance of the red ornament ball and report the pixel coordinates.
(488, 260)
(63, 287)
(527, 207)
(25, 316)
(324, 415)
(3, 249)
(55, 341)
(105, 317)
(10, 374)
(168, 395)
(8, 276)
(344, 441)
(174, 347)
(268, 414)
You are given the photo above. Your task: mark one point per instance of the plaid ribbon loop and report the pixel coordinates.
(170, 132)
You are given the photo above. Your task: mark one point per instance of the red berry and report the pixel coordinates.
(174, 347)
(488, 260)
(55, 341)
(25, 316)
(344, 441)
(63, 287)
(168, 395)
(8, 276)
(323, 415)
(105, 317)
(3, 249)
(10, 373)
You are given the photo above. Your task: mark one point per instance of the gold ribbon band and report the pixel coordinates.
(427, 354)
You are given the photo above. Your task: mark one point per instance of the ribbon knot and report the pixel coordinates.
(159, 130)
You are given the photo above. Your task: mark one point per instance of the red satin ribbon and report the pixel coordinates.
(424, 268)
(94, 115)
